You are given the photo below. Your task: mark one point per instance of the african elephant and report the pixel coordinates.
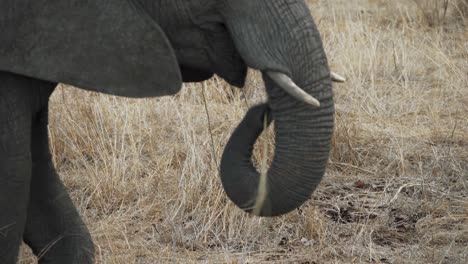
(147, 48)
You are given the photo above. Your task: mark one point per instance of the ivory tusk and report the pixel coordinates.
(290, 87)
(335, 77)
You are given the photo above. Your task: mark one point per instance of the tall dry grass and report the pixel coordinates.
(144, 173)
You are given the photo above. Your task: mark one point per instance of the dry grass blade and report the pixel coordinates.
(210, 130)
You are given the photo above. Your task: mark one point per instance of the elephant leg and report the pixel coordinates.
(15, 162)
(54, 229)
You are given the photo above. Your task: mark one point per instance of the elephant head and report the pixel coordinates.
(279, 38)
(143, 48)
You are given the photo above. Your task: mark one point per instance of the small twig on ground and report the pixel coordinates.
(210, 130)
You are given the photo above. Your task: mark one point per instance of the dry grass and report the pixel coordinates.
(145, 179)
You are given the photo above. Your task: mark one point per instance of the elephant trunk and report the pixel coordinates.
(281, 38)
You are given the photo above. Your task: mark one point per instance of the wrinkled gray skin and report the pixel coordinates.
(144, 48)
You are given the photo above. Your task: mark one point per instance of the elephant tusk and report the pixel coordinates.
(291, 88)
(335, 77)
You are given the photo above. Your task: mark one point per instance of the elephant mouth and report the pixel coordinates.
(194, 74)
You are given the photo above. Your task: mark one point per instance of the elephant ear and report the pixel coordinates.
(106, 46)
